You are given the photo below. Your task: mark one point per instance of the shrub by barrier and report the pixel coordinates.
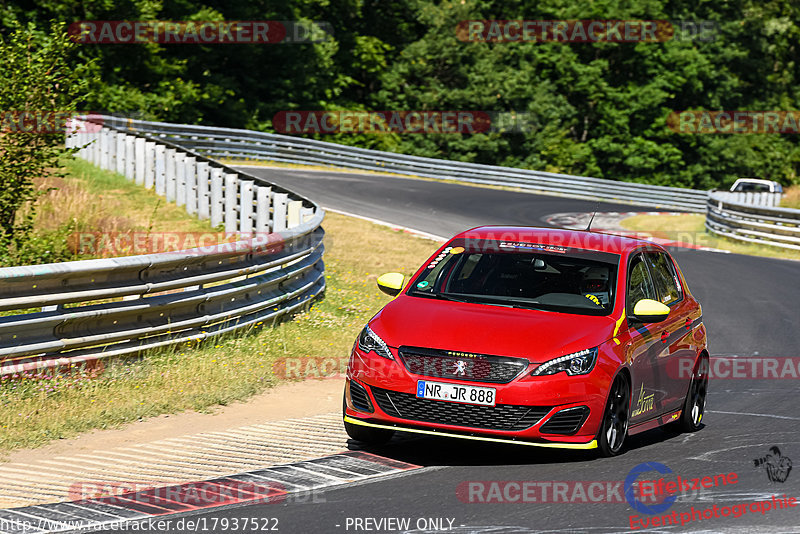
(274, 268)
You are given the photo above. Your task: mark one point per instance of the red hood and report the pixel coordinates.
(485, 329)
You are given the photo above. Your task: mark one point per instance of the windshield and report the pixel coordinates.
(521, 275)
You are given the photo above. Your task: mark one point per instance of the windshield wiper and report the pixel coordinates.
(491, 299)
(448, 296)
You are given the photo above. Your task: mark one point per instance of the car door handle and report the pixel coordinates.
(664, 336)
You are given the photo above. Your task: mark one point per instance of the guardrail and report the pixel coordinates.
(247, 144)
(274, 269)
(770, 200)
(778, 227)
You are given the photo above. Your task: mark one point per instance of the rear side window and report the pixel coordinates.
(664, 278)
(640, 286)
(749, 187)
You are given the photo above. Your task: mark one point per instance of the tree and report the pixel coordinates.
(600, 108)
(38, 92)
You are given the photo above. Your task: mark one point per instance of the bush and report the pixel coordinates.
(38, 89)
(40, 247)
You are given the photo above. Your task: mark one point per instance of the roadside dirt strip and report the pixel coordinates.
(170, 461)
(269, 462)
(275, 484)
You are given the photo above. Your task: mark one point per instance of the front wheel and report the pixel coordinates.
(695, 404)
(614, 427)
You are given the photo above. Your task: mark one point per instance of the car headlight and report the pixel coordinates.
(368, 341)
(577, 363)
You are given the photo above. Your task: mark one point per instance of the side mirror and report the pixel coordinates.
(391, 283)
(650, 311)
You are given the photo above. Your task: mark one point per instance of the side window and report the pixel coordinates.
(639, 284)
(664, 278)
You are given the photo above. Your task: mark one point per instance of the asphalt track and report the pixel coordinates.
(751, 308)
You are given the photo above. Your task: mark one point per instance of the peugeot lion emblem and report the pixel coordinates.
(461, 368)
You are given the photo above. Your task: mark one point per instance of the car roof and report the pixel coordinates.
(558, 237)
(755, 180)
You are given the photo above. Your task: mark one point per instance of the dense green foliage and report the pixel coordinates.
(601, 108)
(38, 89)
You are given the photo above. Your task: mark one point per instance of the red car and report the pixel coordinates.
(545, 337)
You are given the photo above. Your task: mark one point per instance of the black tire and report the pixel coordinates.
(695, 404)
(364, 434)
(614, 428)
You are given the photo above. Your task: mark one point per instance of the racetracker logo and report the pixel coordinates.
(584, 31)
(198, 32)
(738, 368)
(370, 368)
(197, 494)
(549, 491)
(402, 122)
(304, 368)
(47, 122)
(646, 493)
(111, 244)
(734, 122)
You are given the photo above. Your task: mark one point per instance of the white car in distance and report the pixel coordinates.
(754, 185)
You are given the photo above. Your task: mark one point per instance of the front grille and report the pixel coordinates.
(461, 365)
(499, 417)
(566, 421)
(359, 397)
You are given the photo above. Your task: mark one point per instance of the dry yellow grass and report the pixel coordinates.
(791, 197)
(104, 201)
(96, 213)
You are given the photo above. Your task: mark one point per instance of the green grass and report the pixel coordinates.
(40, 408)
(690, 228)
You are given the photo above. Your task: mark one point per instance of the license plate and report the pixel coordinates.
(455, 393)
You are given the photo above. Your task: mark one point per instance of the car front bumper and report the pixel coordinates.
(391, 403)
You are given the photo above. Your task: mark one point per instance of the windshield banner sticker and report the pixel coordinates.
(532, 246)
